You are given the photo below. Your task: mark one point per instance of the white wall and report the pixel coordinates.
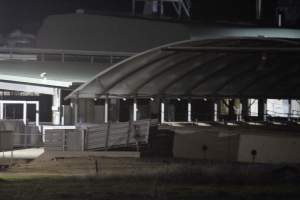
(270, 148)
(236, 144)
(189, 145)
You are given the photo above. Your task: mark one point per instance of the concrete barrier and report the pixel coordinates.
(259, 145)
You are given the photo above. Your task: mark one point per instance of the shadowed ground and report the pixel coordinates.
(81, 178)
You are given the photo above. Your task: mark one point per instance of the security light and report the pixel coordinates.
(43, 75)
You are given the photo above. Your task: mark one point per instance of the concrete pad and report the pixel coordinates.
(85, 154)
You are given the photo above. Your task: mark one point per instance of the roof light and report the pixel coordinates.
(43, 75)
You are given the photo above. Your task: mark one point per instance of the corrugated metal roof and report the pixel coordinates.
(226, 67)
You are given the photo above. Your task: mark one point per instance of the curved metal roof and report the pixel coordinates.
(107, 33)
(227, 67)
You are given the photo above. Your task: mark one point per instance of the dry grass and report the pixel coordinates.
(147, 179)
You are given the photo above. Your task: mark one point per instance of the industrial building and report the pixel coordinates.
(107, 75)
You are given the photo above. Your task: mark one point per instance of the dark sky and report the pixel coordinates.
(28, 14)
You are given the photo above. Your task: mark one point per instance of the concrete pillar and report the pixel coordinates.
(76, 110)
(189, 111)
(162, 112)
(56, 104)
(238, 109)
(216, 117)
(239, 112)
(1, 110)
(106, 110)
(37, 113)
(135, 109)
(25, 113)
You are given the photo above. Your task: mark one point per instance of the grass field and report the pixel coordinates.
(132, 179)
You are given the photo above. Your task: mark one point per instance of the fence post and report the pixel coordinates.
(83, 139)
(63, 140)
(128, 133)
(107, 136)
(25, 136)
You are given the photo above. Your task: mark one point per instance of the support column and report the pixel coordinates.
(245, 109)
(265, 111)
(37, 114)
(161, 8)
(76, 110)
(133, 7)
(232, 115)
(162, 112)
(135, 109)
(216, 117)
(290, 110)
(262, 109)
(56, 104)
(1, 110)
(189, 111)
(106, 110)
(258, 9)
(25, 113)
(239, 107)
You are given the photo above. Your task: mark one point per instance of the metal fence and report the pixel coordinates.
(6, 140)
(15, 134)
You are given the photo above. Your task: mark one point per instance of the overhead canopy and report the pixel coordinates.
(56, 74)
(227, 67)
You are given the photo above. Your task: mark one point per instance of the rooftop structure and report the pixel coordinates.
(227, 67)
(107, 33)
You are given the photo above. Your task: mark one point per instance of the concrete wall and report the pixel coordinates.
(219, 146)
(270, 148)
(236, 144)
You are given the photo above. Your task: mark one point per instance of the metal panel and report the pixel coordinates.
(54, 140)
(6, 140)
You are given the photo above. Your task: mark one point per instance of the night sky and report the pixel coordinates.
(27, 15)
